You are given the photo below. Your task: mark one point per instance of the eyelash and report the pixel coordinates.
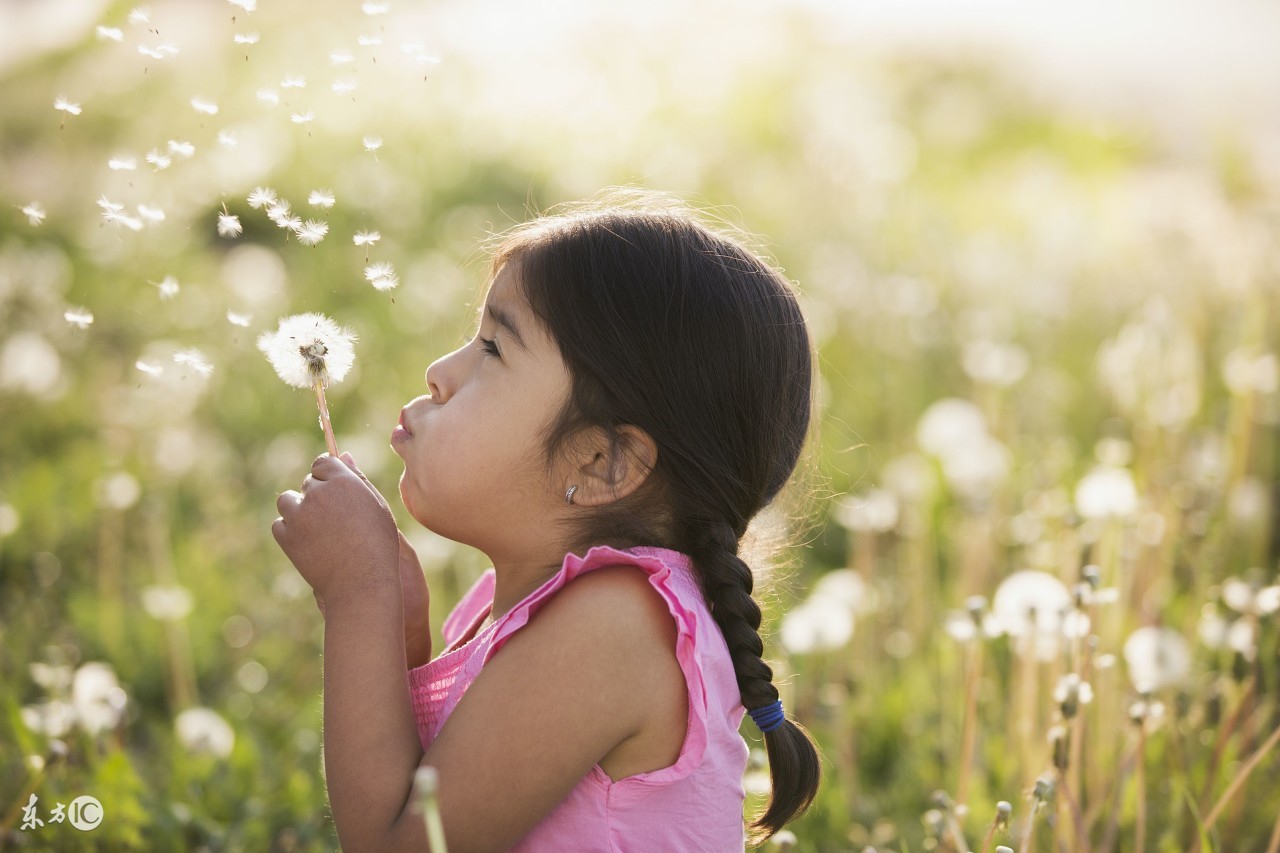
(487, 345)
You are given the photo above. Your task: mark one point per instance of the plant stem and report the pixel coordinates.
(1257, 756)
(968, 731)
(1140, 782)
(325, 424)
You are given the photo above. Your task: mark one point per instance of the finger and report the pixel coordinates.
(277, 530)
(351, 463)
(287, 502)
(323, 466)
(307, 481)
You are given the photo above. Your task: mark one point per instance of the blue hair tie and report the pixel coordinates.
(769, 717)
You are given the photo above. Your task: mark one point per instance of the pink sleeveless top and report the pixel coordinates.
(694, 804)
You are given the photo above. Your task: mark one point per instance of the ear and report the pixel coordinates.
(603, 477)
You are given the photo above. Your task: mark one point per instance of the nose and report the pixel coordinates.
(436, 377)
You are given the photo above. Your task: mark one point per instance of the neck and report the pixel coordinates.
(513, 582)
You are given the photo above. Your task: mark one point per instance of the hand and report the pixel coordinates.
(413, 589)
(337, 532)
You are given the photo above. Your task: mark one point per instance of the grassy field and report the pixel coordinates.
(1038, 563)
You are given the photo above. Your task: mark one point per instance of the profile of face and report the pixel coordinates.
(472, 446)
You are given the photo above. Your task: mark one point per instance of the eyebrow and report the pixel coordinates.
(504, 320)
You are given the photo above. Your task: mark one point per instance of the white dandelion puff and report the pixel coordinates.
(1157, 657)
(194, 359)
(366, 238)
(227, 140)
(321, 198)
(262, 196)
(81, 318)
(229, 225)
(97, 697)
(151, 214)
(302, 118)
(269, 96)
(209, 108)
(381, 275)
(310, 351)
(157, 159)
(1106, 491)
(61, 103)
(122, 164)
(341, 87)
(110, 33)
(149, 368)
(341, 57)
(291, 82)
(372, 143)
(139, 15)
(169, 287)
(167, 603)
(34, 212)
(311, 232)
(247, 38)
(202, 732)
(242, 320)
(181, 148)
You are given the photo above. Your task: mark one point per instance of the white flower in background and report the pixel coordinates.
(292, 82)
(61, 104)
(53, 719)
(1249, 500)
(262, 197)
(247, 38)
(227, 139)
(366, 238)
(110, 33)
(381, 275)
(81, 318)
(203, 732)
(200, 105)
(302, 118)
(995, 363)
(167, 603)
(97, 697)
(269, 96)
(311, 232)
(307, 347)
(371, 143)
(822, 623)
(151, 214)
(1248, 598)
(55, 678)
(10, 520)
(876, 511)
(149, 368)
(1106, 491)
(34, 212)
(158, 159)
(182, 148)
(119, 490)
(321, 198)
(846, 586)
(125, 164)
(1244, 372)
(1031, 605)
(169, 287)
(229, 225)
(1157, 658)
(1152, 368)
(950, 424)
(239, 319)
(909, 476)
(194, 359)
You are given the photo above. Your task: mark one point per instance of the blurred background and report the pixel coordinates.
(1036, 244)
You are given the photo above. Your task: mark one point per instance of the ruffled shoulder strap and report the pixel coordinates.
(474, 602)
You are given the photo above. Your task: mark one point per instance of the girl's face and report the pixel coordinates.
(472, 453)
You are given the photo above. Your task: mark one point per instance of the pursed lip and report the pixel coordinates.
(403, 424)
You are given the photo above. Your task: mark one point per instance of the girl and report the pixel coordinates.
(639, 389)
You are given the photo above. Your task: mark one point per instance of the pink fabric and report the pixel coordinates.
(694, 804)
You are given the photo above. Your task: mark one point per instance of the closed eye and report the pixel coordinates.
(489, 348)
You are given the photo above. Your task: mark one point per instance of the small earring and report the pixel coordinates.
(568, 496)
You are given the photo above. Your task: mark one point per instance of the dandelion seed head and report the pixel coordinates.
(34, 212)
(81, 318)
(366, 238)
(1158, 657)
(122, 164)
(821, 623)
(321, 198)
(110, 33)
(247, 38)
(61, 103)
(876, 511)
(229, 225)
(202, 732)
(167, 603)
(309, 347)
(262, 196)
(1106, 491)
(209, 108)
(97, 697)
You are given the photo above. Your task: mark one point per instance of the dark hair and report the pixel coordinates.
(669, 325)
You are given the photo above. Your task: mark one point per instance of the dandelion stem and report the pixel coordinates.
(1140, 782)
(325, 424)
(1224, 734)
(1273, 846)
(969, 729)
(1237, 782)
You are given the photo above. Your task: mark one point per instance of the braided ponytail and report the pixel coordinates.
(793, 757)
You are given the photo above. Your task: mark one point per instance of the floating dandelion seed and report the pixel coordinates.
(281, 216)
(160, 161)
(229, 225)
(109, 206)
(366, 239)
(239, 319)
(372, 144)
(139, 16)
(269, 96)
(369, 41)
(247, 5)
(114, 217)
(34, 212)
(262, 196)
(227, 139)
(81, 318)
(247, 38)
(292, 82)
(194, 359)
(311, 232)
(339, 57)
(310, 351)
(110, 33)
(181, 148)
(343, 86)
(321, 198)
(62, 105)
(381, 275)
(278, 210)
(148, 368)
(151, 214)
(122, 164)
(160, 51)
(302, 118)
(168, 287)
(209, 108)
(375, 8)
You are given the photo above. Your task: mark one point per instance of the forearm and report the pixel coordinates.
(371, 745)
